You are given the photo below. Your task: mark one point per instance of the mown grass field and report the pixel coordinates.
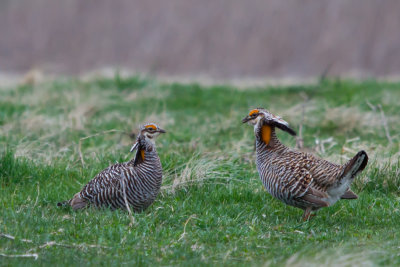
(212, 209)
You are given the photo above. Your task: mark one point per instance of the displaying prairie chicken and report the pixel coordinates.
(137, 181)
(296, 178)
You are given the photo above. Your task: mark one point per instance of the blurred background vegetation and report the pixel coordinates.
(203, 39)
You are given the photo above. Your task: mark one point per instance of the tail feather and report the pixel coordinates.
(76, 202)
(355, 165)
(349, 195)
(63, 203)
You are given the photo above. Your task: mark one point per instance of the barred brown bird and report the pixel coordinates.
(296, 178)
(137, 181)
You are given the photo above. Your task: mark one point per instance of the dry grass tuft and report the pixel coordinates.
(347, 119)
(196, 171)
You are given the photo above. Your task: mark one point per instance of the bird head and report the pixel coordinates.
(260, 116)
(147, 135)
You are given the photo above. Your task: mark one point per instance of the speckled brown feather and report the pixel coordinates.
(300, 179)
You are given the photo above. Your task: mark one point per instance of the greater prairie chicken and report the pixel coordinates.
(296, 178)
(137, 181)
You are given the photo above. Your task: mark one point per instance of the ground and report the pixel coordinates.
(212, 209)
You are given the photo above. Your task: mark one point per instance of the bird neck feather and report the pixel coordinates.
(266, 133)
(142, 153)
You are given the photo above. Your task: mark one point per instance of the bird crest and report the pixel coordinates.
(254, 111)
(150, 125)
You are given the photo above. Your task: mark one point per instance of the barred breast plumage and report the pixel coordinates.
(135, 183)
(296, 178)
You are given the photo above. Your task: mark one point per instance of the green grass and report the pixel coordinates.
(212, 209)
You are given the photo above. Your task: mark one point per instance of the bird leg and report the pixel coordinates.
(307, 214)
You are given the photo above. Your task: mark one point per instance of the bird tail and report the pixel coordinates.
(355, 165)
(64, 203)
(349, 195)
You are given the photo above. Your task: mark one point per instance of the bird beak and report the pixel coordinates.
(246, 119)
(161, 130)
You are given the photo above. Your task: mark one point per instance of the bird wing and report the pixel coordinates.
(103, 183)
(325, 173)
(308, 178)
